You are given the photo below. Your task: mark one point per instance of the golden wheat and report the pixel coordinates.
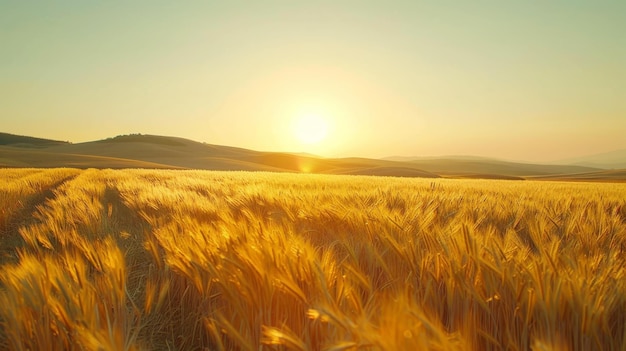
(146, 259)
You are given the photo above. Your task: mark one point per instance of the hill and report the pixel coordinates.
(27, 142)
(27, 158)
(469, 166)
(608, 160)
(168, 152)
(162, 152)
(617, 175)
(165, 152)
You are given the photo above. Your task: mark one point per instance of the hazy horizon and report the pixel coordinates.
(524, 81)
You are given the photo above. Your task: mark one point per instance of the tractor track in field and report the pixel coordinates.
(10, 238)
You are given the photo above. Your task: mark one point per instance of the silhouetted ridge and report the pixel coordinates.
(26, 141)
(150, 139)
(167, 152)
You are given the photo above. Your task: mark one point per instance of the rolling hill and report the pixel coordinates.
(164, 152)
(465, 166)
(152, 151)
(27, 142)
(608, 160)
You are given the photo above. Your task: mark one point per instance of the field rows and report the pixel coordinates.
(147, 259)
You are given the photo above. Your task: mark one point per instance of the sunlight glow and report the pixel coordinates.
(310, 128)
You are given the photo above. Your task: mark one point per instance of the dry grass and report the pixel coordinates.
(147, 259)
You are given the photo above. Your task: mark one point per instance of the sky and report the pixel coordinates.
(521, 80)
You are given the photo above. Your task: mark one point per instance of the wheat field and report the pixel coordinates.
(201, 260)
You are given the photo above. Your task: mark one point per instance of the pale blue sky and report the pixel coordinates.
(526, 80)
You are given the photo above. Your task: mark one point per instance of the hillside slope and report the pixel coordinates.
(152, 151)
(164, 152)
(609, 160)
(27, 142)
(477, 166)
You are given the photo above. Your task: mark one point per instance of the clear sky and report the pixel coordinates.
(525, 80)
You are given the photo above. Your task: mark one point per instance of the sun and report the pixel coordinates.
(310, 128)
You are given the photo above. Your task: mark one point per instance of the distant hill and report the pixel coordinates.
(172, 151)
(154, 151)
(447, 157)
(608, 160)
(27, 142)
(476, 166)
(37, 158)
(618, 175)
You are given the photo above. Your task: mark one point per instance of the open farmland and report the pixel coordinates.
(156, 259)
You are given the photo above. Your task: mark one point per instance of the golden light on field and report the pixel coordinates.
(310, 128)
(307, 262)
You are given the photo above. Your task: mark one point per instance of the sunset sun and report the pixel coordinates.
(310, 128)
